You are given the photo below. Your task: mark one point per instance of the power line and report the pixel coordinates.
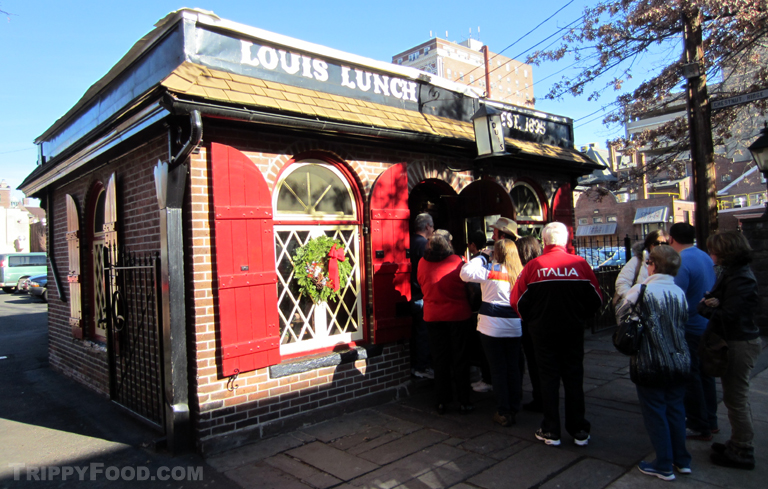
(567, 26)
(17, 151)
(601, 109)
(526, 34)
(594, 119)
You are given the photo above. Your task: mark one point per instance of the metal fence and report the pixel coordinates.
(607, 255)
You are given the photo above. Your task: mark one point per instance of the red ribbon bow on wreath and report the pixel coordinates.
(333, 266)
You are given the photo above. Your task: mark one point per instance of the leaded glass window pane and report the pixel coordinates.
(316, 191)
(303, 324)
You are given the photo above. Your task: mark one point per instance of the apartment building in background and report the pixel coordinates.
(510, 81)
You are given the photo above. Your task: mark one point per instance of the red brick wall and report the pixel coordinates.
(85, 360)
(253, 404)
(221, 411)
(225, 416)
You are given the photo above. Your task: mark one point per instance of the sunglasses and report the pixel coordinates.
(657, 243)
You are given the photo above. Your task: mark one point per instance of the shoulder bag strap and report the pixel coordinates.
(637, 305)
(637, 268)
(640, 297)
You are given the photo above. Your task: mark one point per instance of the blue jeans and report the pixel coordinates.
(700, 393)
(420, 356)
(664, 416)
(504, 360)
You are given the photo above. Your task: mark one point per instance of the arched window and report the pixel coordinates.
(314, 190)
(526, 202)
(529, 213)
(313, 198)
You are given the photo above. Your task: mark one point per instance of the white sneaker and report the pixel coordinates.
(481, 386)
(427, 373)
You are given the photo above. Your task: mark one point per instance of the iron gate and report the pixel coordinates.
(606, 317)
(131, 284)
(607, 255)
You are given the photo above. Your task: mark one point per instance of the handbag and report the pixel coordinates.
(627, 336)
(713, 353)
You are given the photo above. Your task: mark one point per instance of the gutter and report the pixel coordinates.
(195, 136)
(180, 106)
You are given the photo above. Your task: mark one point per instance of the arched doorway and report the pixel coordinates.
(439, 200)
(314, 198)
(482, 203)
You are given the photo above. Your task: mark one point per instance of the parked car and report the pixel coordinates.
(37, 286)
(594, 256)
(16, 267)
(617, 258)
(21, 285)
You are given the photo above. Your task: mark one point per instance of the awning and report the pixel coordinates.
(650, 215)
(597, 229)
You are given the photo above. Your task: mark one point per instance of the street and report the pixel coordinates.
(56, 433)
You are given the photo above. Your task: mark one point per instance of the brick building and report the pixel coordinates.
(22, 225)
(182, 185)
(606, 215)
(510, 81)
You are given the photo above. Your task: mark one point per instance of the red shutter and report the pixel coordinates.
(245, 263)
(562, 211)
(390, 239)
(73, 277)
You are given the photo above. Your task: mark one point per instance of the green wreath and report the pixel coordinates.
(310, 269)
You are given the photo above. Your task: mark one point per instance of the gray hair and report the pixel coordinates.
(422, 221)
(555, 233)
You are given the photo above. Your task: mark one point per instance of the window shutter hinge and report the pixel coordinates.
(366, 231)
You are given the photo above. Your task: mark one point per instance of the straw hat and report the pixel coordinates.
(506, 225)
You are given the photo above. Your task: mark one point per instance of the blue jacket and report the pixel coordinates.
(696, 277)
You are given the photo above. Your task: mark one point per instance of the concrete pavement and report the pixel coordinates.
(406, 444)
(48, 422)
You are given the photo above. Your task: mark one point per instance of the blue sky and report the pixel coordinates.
(52, 51)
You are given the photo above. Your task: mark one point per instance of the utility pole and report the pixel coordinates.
(699, 127)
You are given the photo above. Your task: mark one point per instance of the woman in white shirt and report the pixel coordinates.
(499, 325)
(636, 271)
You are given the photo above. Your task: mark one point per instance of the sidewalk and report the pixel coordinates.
(49, 420)
(406, 444)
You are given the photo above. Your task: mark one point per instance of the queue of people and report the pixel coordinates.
(532, 311)
(719, 295)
